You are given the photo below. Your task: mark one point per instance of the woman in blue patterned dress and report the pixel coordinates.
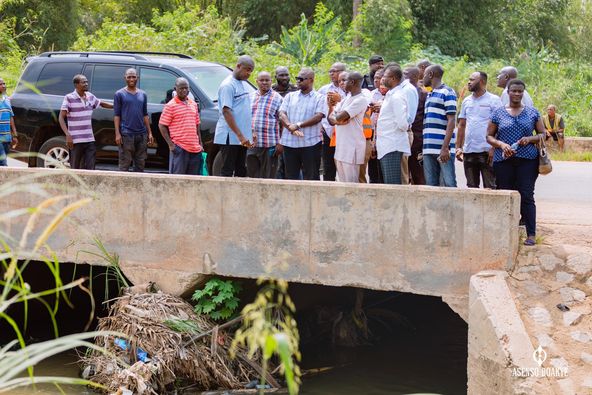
(515, 161)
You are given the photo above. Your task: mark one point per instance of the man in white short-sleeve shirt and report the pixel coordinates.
(472, 146)
(350, 148)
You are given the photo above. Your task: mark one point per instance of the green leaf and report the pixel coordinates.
(208, 306)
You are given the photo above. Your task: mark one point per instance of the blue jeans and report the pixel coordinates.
(435, 171)
(520, 175)
(4, 150)
(184, 162)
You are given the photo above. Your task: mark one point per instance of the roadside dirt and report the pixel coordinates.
(552, 287)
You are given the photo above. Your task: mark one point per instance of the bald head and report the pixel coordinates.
(2, 86)
(355, 76)
(182, 88)
(354, 82)
(433, 75)
(244, 67)
(246, 60)
(412, 74)
(511, 71)
(264, 82)
(305, 79)
(335, 70)
(505, 75)
(281, 70)
(306, 72)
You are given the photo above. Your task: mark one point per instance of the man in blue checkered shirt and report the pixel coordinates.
(300, 115)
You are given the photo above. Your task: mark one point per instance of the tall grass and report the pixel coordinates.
(16, 253)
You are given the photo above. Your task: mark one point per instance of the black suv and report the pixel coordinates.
(48, 78)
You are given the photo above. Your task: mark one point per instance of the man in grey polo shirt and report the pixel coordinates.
(300, 115)
(472, 147)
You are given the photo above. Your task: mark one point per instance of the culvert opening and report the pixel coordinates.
(406, 343)
(401, 343)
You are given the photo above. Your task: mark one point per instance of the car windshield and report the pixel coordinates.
(209, 78)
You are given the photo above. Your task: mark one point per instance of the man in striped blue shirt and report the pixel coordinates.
(438, 130)
(7, 129)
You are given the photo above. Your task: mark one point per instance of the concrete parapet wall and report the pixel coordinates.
(499, 342)
(577, 144)
(173, 229)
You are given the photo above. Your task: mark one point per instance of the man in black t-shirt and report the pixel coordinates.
(374, 63)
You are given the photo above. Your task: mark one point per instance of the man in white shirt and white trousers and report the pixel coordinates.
(350, 148)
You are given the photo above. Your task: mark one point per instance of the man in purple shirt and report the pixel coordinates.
(77, 107)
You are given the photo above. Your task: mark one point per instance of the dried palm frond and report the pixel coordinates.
(146, 319)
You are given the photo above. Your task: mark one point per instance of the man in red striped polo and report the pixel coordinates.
(179, 125)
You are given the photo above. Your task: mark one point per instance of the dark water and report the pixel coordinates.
(425, 354)
(430, 359)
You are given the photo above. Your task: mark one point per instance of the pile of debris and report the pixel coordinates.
(165, 345)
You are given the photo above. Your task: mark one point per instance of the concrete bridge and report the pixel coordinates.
(173, 230)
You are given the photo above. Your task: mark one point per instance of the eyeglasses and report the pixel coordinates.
(300, 79)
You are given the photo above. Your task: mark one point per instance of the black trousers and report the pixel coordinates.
(476, 167)
(415, 166)
(520, 174)
(307, 158)
(234, 159)
(83, 156)
(329, 169)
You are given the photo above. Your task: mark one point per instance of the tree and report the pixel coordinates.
(490, 28)
(393, 39)
(43, 24)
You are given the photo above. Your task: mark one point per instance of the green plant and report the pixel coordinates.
(113, 271)
(307, 44)
(14, 363)
(393, 40)
(218, 299)
(269, 327)
(182, 326)
(16, 253)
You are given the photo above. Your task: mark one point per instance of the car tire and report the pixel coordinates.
(54, 153)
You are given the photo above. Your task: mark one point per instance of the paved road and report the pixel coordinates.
(563, 197)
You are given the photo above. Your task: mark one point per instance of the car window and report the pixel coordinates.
(107, 79)
(158, 84)
(209, 78)
(56, 78)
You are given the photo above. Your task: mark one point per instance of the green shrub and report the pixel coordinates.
(384, 27)
(218, 299)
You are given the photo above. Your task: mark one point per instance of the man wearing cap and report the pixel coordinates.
(375, 62)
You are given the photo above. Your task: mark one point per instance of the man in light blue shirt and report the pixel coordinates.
(233, 131)
(300, 115)
(472, 147)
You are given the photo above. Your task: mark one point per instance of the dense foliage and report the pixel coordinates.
(547, 40)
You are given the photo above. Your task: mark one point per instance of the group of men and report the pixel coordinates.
(393, 125)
